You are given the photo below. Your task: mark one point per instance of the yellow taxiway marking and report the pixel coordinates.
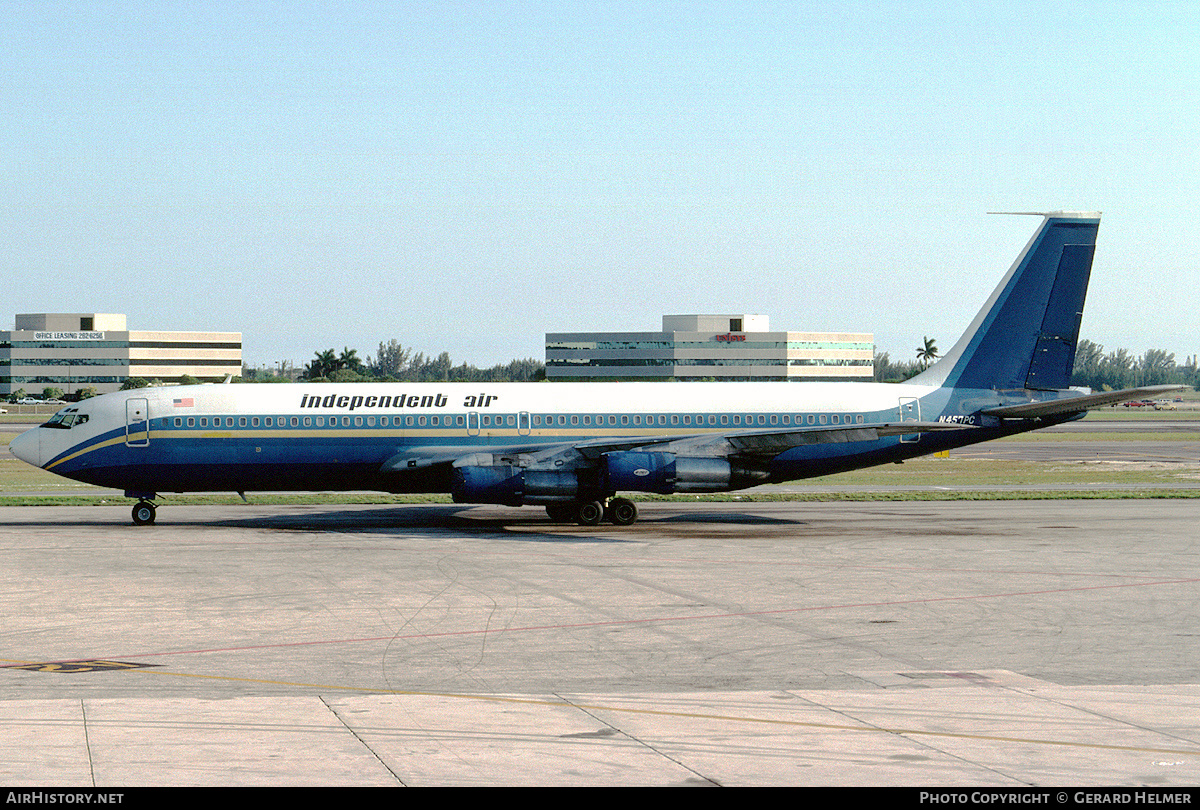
(914, 732)
(692, 715)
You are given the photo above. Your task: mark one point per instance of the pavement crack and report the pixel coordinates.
(611, 730)
(361, 741)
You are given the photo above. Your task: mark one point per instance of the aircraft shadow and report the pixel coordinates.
(529, 525)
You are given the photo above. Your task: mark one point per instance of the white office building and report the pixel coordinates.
(73, 351)
(711, 347)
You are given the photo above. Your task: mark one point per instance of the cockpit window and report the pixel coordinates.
(66, 419)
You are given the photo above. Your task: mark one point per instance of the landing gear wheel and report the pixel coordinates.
(622, 511)
(144, 513)
(590, 513)
(561, 512)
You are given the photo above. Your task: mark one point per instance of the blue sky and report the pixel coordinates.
(468, 176)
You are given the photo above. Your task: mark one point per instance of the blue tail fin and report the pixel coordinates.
(1025, 335)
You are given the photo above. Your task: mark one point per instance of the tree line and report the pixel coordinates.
(1094, 368)
(1120, 369)
(396, 363)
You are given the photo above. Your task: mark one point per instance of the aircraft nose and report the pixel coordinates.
(28, 447)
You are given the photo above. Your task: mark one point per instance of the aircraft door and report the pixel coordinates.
(910, 411)
(523, 423)
(473, 423)
(137, 422)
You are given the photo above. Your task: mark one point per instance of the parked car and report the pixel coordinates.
(29, 401)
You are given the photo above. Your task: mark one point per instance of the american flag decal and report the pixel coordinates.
(187, 402)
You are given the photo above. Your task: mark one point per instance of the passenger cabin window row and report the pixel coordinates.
(505, 420)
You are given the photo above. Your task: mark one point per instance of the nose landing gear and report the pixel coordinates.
(144, 513)
(144, 510)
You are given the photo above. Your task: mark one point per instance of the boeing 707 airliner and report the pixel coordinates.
(572, 447)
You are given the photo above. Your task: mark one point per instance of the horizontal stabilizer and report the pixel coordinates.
(1083, 402)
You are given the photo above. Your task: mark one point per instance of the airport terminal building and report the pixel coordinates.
(711, 347)
(73, 351)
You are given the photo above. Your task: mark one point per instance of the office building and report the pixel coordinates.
(711, 347)
(74, 351)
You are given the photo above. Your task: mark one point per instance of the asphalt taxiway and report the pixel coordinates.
(992, 643)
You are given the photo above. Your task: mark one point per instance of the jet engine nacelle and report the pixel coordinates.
(511, 485)
(665, 473)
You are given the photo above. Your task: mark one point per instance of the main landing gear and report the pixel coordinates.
(619, 511)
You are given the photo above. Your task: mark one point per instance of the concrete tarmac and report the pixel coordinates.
(1001, 644)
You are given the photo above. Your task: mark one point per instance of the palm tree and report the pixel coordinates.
(927, 353)
(324, 364)
(348, 359)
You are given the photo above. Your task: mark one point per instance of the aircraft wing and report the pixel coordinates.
(1083, 402)
(758, 443)
(763, 443)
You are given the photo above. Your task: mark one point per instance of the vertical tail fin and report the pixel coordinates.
(1025, 335)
